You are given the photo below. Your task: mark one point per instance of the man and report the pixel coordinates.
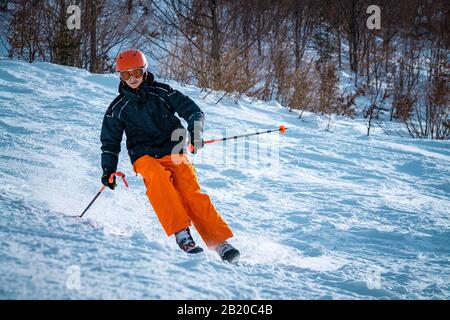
(145, 110)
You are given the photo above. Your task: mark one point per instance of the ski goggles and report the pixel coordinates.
(135, 73)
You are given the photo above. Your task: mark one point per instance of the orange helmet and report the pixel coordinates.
(130, 59)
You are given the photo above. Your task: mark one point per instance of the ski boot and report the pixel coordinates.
(227, 252)
(186, 242)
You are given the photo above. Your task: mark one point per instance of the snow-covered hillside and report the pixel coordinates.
(337, 215)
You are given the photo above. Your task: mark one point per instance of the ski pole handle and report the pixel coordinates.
(119, 174)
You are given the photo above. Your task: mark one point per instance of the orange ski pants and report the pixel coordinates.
(174, 193)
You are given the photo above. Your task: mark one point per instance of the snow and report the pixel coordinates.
(316, 214)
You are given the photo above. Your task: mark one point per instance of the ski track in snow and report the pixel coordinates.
(338, 211)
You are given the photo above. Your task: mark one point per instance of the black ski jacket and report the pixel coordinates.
(147, 115)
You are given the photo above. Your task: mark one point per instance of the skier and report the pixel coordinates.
(145, 110)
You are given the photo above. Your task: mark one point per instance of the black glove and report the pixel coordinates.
(105, 179)
(196, 145)
(195, 129)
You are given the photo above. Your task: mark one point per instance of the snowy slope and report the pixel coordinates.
(337, 215)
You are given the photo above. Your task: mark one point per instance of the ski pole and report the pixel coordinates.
(281, 128)
(110, 180)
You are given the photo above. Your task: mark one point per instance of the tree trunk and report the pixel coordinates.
(215, 45)
(93, 38)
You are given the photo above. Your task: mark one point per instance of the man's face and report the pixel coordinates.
(134, 83)
(133, 77)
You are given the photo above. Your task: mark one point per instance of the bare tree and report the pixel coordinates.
(288, 50)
